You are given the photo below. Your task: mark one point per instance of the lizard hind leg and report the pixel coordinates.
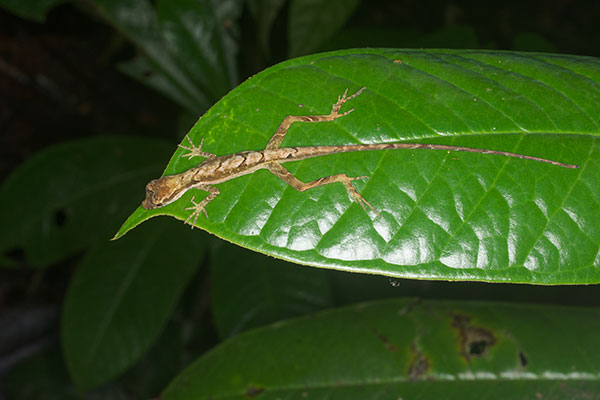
(297, 184)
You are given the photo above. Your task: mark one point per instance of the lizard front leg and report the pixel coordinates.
(279, 135)
(199, 207)
(195, 151)
(285, 175)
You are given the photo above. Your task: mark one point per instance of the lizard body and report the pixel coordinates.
(218, 169)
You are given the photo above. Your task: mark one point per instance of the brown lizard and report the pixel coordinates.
(214, 170)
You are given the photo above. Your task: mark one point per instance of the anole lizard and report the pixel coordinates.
(217, 169)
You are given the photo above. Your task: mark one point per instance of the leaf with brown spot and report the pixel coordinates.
(339, 354)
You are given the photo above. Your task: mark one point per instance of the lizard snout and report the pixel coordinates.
(148, 202)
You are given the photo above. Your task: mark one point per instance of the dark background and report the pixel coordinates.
(58, 82)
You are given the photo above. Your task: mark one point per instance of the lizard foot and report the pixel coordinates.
(341, 100)
(196, 209)
(195, 151)
(357, 196)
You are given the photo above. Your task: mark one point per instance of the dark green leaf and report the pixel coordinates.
(159, 364)
(264, 13)
(34, 10)
(198, 41)
(451, 37)
(122, 295)
(68, 196)
(407, 349)
(249, 289)
(137, 20)
(444, 215)
(188, 46)
(142, 70)
(314, 22)
(227, 13)
(532, 42)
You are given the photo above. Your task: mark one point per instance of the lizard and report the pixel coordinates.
(218, 169)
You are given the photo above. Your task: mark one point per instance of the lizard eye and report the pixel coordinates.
(161, 192)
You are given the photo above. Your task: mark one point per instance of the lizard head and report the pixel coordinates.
(163, 191)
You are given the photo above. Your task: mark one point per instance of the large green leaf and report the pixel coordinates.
(121, 297)
(407, 349)
(444, 215)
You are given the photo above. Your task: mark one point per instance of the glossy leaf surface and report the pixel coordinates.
(443, 215)
(407, 349)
